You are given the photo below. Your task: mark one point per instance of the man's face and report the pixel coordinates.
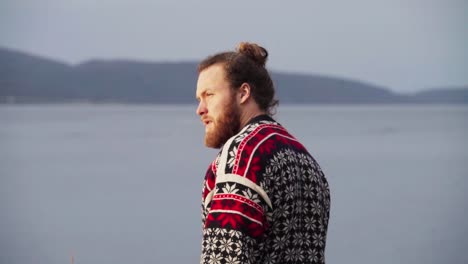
(218, 108)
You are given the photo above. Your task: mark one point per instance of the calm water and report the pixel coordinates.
(115, 184)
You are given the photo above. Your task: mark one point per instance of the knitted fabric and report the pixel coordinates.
(265, 200)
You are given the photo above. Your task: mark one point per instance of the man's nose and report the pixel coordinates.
(201, 109)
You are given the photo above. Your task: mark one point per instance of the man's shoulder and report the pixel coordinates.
(259, 129)
(266, 137)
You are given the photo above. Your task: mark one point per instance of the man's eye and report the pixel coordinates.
(209, 94)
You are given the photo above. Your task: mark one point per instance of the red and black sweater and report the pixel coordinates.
(265, 200)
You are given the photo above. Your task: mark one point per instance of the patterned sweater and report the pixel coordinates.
(265, 200)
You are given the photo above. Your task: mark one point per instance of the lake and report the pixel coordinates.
(111, 184)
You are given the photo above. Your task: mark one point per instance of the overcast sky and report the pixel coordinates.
(404, 45)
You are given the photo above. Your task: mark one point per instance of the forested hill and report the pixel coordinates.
(28, 78)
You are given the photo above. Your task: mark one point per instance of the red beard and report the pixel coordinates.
(226, 126)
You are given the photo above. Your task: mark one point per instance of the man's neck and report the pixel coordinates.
(247, 116)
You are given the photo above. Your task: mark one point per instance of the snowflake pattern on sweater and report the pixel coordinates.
(265, 200)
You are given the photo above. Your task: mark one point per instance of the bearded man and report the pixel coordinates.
(265, 198)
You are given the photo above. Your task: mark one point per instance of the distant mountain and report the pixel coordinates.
(457, 95)
(28, 78)
(296, 88)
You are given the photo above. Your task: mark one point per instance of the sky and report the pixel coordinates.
(402, 45)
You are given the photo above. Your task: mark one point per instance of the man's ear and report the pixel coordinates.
(244, 92)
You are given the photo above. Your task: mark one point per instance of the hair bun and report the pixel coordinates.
(255, 52)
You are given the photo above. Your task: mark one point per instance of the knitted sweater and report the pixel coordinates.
(265, 200)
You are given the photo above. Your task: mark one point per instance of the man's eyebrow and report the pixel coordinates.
(201, 94)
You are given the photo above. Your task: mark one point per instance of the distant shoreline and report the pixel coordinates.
(29, 79)
(194, 105)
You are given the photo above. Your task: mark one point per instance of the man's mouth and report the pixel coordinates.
(207, 122)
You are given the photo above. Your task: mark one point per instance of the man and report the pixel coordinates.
(265, 198)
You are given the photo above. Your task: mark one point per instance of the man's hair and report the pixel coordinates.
(247, 65)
